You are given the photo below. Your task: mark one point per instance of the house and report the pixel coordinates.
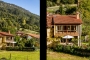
(29, 35)
(62, 25)
(19, 33)
(36, 36)
(6, 39)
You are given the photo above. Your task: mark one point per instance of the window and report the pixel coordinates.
(8, 44)
(65, 28)
(68, 27)
(58, 28)
(73, 28)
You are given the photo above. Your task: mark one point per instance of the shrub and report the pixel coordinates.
(72, 50)
(18, 49)
(58, 48)
(67, 49)
(3, 58)
(28, 49)
(12, 48)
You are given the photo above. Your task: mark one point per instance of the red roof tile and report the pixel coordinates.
(1, 35)
(6, 34)
(62, 19)
(66, 19)
(34, 35)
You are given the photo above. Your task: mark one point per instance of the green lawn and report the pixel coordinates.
(29, 31)
(62, 56)
(55, 8)
(20, 55)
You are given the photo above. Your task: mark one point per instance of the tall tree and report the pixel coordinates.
(61, 10)
(58, 2)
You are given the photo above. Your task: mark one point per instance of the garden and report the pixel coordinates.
(69, 52)
(57, 51)
(24, 49)
(24, 44)
(83, 50)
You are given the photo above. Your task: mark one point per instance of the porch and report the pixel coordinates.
(10, 43)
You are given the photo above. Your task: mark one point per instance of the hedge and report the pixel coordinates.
(73, 50)
(20, 49)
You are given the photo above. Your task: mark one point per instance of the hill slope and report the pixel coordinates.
(17, 17)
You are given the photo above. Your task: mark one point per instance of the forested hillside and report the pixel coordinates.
(13, 17)
(68, 8)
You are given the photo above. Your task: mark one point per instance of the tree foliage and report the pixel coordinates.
(17, 17)
(58, 2)
(24, 42)
(66, 10)
(84, 9)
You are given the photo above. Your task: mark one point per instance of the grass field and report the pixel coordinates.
(20, 55)
(55, 8)
(62, 56)
(29, 31)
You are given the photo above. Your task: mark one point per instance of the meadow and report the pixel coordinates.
(20, 55)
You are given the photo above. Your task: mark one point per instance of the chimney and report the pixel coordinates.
(9, 31)
(77, 15)
(47, 14)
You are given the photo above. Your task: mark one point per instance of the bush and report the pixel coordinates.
(58, 48)
(28, 49)
(72, 50)
(18, 49)
(12, 48)
(67, 49)
(3, 58)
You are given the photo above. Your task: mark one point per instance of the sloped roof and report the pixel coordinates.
(34, 35)
(1, 35)
(66, 19)
(5, 34)
(62, 19)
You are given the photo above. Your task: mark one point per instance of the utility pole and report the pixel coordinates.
(78, 3)
(80, 27)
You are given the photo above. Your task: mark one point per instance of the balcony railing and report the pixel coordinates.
(9, 40)
(63, 33)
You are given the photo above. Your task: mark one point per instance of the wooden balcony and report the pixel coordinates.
(66, 33)
(9, 40)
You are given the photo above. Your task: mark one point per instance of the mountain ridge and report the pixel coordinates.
(18, 17)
